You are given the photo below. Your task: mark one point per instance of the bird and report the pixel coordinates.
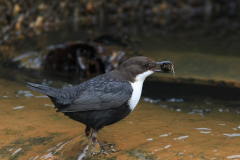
(104, 99)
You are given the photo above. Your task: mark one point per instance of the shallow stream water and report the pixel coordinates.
(159, 128)
(172, 120)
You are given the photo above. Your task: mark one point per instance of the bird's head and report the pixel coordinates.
(140, 67)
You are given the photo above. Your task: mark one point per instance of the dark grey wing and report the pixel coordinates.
(101, 96)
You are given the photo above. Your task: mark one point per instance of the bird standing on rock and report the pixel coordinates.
(105, 99)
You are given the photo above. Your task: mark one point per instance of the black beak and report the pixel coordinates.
(165, 67)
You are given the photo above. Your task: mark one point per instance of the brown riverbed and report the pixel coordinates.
(171, 128)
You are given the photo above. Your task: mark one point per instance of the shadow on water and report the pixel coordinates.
(166, 90)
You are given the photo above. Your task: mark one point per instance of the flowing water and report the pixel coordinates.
(172, 120)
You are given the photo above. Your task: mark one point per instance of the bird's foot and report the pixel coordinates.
(108, 148)
(102, 147)
(94, 140)
(94, 148)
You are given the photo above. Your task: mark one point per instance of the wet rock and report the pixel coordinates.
(75, 56)
(101, 55)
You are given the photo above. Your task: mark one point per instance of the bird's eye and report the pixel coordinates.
(144, 65)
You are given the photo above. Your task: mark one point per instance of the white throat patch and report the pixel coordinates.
(137, 89)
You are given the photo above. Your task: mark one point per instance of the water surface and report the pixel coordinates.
(166, 128)
(173, 120)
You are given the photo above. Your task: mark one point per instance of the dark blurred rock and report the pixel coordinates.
(75, 56)
(101, 55)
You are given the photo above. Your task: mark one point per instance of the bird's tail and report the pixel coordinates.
(49, 91)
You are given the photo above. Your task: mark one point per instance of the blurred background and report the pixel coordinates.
(201, 37)
(62, 43)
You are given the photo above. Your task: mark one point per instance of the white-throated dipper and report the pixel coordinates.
(105, 99)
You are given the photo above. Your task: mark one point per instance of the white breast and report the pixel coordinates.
(137, 89)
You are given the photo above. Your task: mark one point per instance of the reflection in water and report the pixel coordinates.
(164, 135)
(234, 156)
(25, 93)
(203, 128)
(49, 105)
(63, 148)
(41, 96)
(49, 155)
(83, 154)
(233, 135)
(174, 100)
(205, 132)
(18, 107)
(167, 146)
(182, 137)
(19, 149)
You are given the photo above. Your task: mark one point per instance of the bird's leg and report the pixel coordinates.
(87, 131)
(94, 136)
(95, 148)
